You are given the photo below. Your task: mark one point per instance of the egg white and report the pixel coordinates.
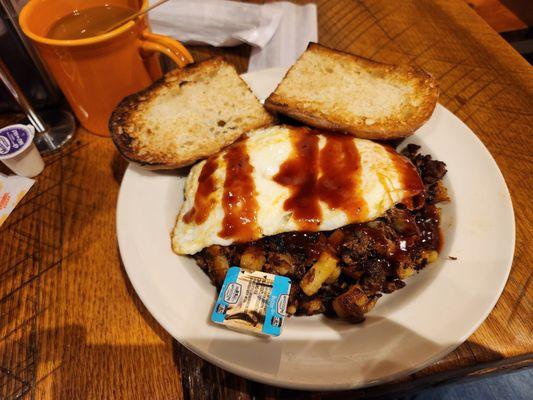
(380, 186)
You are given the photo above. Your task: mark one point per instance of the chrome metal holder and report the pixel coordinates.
(53, 128)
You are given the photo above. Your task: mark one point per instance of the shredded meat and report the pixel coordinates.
(373, 257)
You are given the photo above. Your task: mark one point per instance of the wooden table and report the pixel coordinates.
(72, 327)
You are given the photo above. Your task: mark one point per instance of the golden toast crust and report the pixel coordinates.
(128, 129)
(396, 126)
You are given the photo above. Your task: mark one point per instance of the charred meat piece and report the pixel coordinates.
(428, 221)
(391, 286)
(437, 193)
(375, 275)
(430, 170)
(403, 221)
(280, 264)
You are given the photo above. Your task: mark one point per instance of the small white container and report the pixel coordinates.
(18, 151)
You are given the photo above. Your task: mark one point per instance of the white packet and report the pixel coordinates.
(215, 22)
(12, 189)
(297, 28)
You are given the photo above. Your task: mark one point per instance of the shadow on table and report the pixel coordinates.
(202, 380)
(69, 366)
(118, 167)
(143, 311)
(66, 365)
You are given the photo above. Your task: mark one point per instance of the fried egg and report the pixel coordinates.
(285, 179)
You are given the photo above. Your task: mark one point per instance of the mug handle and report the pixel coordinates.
(150, 43)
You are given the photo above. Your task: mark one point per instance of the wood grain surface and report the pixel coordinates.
(72, 327)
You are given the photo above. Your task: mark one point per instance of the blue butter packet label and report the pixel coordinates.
(13, 139)
(252, 301)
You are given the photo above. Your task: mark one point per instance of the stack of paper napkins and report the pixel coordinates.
(279, 32)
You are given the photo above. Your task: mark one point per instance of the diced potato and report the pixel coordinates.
(293, 301)
(291, 309)
(405, 270)
(430, 255)
(370, 305)
(334, 275)
(350, 305)
(219, 270)
(318, 273)
(253, 258)
(312, 306)
(353, 304)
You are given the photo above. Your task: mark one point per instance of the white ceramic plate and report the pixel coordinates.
(409, 329)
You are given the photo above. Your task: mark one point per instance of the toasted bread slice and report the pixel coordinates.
(187, 115)
(338, 91)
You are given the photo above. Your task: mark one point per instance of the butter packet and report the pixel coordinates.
(12, 189)
(252, 301)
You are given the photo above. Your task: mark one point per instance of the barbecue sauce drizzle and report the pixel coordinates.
(238, 201)
(331, 175)
(203, 199)
(340, 183)
(299, 173)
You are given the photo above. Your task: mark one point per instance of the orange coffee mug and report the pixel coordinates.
(95, 73)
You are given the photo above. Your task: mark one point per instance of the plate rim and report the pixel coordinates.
(273, 380)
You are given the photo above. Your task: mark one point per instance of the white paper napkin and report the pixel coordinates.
(215, 22)
(297, 28)
(278, 32)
